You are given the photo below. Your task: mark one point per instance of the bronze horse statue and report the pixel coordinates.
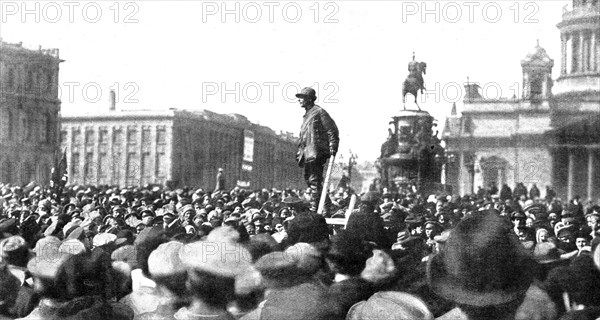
(414, 82)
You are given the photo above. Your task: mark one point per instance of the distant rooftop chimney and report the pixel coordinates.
(113, 100)
(472, 91)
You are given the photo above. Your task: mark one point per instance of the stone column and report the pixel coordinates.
(563, 51)
(571, 174)
(500, 178)
(580, 52)
(461, 175)
(593, 52)
(590, 177)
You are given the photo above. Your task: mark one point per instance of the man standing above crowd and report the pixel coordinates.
(319, 140)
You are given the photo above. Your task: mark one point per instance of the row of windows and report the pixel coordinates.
(25, 172)
(34, 80)
(23, 127)
(117, 136)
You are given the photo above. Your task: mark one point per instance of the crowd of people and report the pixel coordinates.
(154, 253)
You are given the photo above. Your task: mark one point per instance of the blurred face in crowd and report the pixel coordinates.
(188, 215)
(140, 227)
(543, 236)
(565, 237)
(167, 219)
(279, 227)
(442, 219)
(237, 209)
(593, 222)
(418, 230)
(529, 223)
(553, 217)
(430, 231)
(251, 229)
(580, 243)
(147, 220)
(522, 234)
(518, 222)
(112, 222)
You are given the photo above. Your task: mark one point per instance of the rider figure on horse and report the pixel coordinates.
(414, 82)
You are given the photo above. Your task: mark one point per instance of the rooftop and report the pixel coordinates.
(19, 48)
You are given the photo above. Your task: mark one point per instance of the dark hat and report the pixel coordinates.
(431, 224)
(124, 237)
(13, 249)
(518, 215)
(307, 93)
(186, 208)
(146, 212)
(414, 219)
(8, 227)
(482, 263)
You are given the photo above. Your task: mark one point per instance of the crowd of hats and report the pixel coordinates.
(432, 253)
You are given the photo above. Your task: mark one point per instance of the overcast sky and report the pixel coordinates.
(251, 57)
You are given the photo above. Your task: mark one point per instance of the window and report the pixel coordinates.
(11, 127)
(49, 81)
(146, 136)
(30, 81)
(132, 169)
(102, 165)
(536, 89)
(10, 82)
(27, 173)
(575, 56)
(26, 134)
(161, 135)
(146, 165)
(116, 169)
(161, 165)
(75, 164)
(63, 137)
(4, 124)
(76, 137)
(118, 136)
(89, 165)
(42, 130)
(103, 136)
(132, 136)
(89, 137)
(7, 172)
(50, 133)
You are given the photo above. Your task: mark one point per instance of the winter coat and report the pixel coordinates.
(318, 135)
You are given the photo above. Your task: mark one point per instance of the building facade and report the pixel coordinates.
(575, 147)
(29, 113)
(526, 139)
(177, 148)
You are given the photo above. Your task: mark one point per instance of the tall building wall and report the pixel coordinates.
(114, 151)
(29, 113)
(175, 148)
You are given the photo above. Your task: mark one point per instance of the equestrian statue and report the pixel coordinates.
(414, 82)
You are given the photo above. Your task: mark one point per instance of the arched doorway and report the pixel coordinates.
(494, 171)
